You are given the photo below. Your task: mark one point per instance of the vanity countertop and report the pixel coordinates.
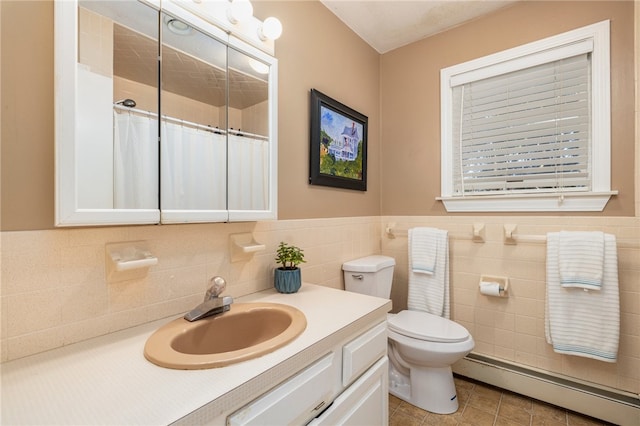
(107, 380)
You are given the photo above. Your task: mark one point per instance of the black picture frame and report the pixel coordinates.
(338, 148)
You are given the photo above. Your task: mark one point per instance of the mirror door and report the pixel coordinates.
(251, 135)
(193, 127)
(107, 147)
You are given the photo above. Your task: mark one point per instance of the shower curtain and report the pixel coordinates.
(193, 165)
(135, 161)
(194, 168)
(248, 173)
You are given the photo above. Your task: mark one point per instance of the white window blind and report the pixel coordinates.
(524, 131)
(529, 128)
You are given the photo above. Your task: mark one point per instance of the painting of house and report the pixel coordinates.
(345, 146)
(338, 144)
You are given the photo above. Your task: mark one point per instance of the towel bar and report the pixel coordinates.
(510, 237)
(477, 235)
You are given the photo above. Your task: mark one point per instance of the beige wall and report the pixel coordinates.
(315, 51)
(402, 86)
(410, 93)
(27, 177)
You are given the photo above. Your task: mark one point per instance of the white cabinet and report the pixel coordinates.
(294, 402)
(161, 117)
(361, 352)
(366, 402)
(349, 385)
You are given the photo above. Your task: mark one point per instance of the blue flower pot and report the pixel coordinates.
(287, 280)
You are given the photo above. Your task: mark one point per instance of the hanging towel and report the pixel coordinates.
(580, 322)
(424, 250)
(429, 292)
(581, 259)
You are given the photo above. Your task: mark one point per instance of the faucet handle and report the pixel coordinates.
(218, 285)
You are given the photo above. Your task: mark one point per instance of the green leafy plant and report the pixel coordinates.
(289, 256)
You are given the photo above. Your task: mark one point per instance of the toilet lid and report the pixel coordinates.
(426, 326)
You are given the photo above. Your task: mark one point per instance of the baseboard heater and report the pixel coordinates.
(611, 405)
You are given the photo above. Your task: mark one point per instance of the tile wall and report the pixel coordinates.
(54, 290)
(512, 328)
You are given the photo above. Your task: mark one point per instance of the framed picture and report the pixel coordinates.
(338, 153)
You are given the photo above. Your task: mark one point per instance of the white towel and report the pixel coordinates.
(424, 250)
(581, 259)
(581, 322)
(429, 292)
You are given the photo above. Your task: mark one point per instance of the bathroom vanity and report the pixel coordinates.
(334, 372)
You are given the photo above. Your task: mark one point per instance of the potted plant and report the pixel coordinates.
(287, 278)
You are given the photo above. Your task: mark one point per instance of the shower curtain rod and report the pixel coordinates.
(187, 123)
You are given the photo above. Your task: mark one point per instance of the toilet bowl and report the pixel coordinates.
(422, 346)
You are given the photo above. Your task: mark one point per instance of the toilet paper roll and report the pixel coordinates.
(490, 289)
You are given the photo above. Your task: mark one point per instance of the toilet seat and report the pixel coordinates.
(428, 327)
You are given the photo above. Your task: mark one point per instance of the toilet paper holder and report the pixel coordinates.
(491, 285)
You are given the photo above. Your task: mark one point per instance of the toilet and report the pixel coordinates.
(422, 346)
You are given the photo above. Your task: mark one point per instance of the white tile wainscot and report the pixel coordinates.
(107, 380)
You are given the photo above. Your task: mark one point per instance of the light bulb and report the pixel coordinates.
(270, 29)
(239, 10)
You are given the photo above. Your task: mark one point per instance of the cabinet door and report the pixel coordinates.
(252, 134)
(293, 402)
(193, 139)
(106, 144)
(366, 402)
(359, 354)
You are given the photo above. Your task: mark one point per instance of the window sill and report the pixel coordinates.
(570, 202)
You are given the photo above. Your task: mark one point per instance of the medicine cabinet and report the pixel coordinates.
(161, 117)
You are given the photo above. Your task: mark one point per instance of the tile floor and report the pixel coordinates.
(485, 405)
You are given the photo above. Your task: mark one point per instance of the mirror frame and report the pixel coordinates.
(271, 211)
(67, 210)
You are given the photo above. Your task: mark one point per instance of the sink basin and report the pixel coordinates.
(247, 331)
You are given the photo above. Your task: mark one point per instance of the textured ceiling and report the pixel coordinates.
(388, 24)
(134, 58)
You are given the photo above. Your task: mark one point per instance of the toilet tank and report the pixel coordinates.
(370, 275)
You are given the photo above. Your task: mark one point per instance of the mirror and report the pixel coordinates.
(248, 138)
(194, 122)
(161, 118)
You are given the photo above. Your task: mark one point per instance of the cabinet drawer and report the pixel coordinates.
(366, 402)
(293, 402)
(362, 352)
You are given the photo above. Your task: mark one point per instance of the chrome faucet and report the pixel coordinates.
(212, 305)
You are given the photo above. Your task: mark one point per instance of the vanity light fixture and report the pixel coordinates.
(270, 29)
(239, 11)
(235, 17)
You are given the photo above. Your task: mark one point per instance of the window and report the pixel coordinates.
(528, 129)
